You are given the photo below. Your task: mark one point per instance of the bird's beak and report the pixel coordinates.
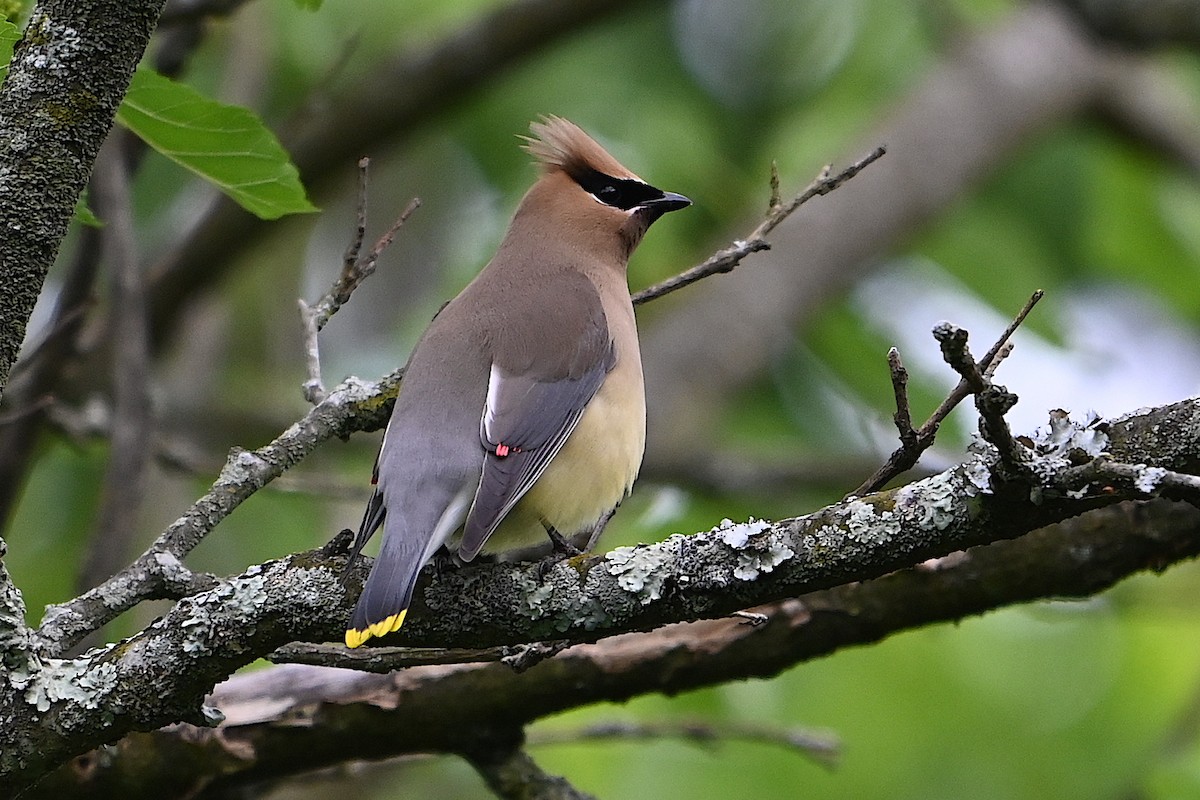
(668, 202)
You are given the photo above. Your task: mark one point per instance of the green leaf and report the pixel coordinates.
(311, 5)
(226, 145)
(83, 213)
(9, 36)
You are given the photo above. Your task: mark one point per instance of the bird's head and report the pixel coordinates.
(588, 194)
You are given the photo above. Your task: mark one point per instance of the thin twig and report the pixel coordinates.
(986, 361)
(1003, 353)
(905, 457)
(822, 746)
(29, 409)
(1101, 474)
(388, 659)
(351, 406)
(726, 259)
(356, 268)
(361, 267)
(903, 415)
(962, 390)
(991, 400)
(776, 199)
(313, 388)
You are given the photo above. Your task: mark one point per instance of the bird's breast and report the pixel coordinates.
(597, 465)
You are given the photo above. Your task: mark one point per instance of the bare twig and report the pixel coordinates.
(24, 412)
(1002, 342)
(906, 456)
(962, 390)
(992, 400)
(388, 659)
(728, 258)
(776, 199)
(354, 405)
(382, 659)
(903, 415)
(313, 388)
(822, 746)
(1003, 353)
(356, 268)
(1102, 474)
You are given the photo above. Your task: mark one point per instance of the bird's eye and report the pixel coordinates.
(622, 193)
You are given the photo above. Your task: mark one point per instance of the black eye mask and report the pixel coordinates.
(622, 193)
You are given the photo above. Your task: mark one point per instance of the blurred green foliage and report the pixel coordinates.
(1095, 699)
(226, 145)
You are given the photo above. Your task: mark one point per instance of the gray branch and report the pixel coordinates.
(67, 77)
(125, 475)
(61, 708)
(292, 719)
(159, 573)
(14, 634)
(385, 111)
(511, 774)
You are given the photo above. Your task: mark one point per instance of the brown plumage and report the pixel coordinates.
(560, 144)
(522, 407)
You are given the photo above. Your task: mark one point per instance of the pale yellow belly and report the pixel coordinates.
(592, 473)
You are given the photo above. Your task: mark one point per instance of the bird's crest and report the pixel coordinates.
(558, 143)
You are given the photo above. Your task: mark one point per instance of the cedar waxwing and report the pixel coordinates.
(522, 403)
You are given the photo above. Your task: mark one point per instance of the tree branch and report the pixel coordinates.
(725, 260)
(159, 573)
(425, 709)
(67, 76)
(159, 675)
(385, 111)
(133, 414)
(356, 268)
(822, 747)
(914, 443)
(512, 774)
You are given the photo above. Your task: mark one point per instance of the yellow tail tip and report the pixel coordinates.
(356, 637)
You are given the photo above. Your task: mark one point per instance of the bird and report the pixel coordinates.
(522, 409)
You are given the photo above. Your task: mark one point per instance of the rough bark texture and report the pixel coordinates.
(67, 77)
(53, 709)
(294, 718)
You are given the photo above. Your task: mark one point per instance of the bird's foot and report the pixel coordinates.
(561, 545)
(444, 561)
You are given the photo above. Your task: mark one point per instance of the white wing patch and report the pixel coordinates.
(487, 424)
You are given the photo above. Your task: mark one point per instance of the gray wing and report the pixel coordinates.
(529, 414)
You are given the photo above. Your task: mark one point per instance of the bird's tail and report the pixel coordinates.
(384, 601)
(410, 537)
